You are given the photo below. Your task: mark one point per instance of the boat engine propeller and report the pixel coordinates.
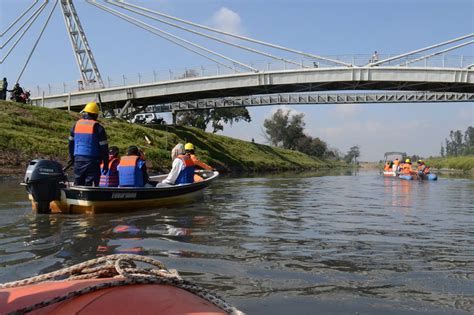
(43, 181)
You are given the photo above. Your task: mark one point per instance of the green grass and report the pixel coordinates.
(28, 132)
(465, 163)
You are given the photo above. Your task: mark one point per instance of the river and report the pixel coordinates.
(344, 243)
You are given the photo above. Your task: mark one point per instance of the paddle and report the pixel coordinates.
(68, 165)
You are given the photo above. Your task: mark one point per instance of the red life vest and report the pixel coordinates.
(111, 178)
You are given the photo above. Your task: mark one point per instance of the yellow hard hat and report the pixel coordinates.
(407, 161)
(91, 108)
(189, 146)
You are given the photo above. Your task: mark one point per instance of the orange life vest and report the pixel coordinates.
(111, 178)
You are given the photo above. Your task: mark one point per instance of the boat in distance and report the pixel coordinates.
(50, 191)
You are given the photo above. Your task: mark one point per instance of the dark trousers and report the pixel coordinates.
(86, 172)
(3, 95)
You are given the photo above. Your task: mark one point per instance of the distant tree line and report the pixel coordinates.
(286, 130)
(459, 143)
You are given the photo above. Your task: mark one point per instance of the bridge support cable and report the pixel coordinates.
(437, 53)
(85, 60)
(221, 40)
(420, 50)
(18, 18)
(38, 13)
(164, 34)
(32, 16)
(37, 40)
(248, 39)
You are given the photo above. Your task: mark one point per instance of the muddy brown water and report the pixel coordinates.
(347, 243)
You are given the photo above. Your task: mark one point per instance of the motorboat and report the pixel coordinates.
(50, 191)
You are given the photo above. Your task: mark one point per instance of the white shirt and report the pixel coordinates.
(178, 166)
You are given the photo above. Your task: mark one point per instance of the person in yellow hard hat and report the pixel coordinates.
(406, 168)
(189, 149)
(88, 147)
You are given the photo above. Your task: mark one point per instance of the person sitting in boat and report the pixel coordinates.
(422, 168)
(88, 147)
(189, 148)
(110, 175)
(132, 170)
(182, 171)
(407, 168)
(387, 167)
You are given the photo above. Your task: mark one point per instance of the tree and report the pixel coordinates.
(311, 146)
(442, 151)
(469, 136)
(284, 130)
(217, 117)
(352, 154)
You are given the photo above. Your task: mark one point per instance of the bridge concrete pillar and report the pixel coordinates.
(173, 115)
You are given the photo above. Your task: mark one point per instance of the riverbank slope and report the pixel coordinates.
(462, 163)
(28, 132)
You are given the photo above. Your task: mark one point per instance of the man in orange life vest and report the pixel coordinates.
(88, 147)
(182, 171)
(110, 177)
(189, 147)
(132, 170)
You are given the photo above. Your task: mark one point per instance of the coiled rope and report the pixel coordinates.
(123, 268)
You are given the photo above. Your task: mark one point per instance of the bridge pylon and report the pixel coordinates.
(85, 60)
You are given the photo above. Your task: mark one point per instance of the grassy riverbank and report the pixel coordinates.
(463, 163)
(28, 132)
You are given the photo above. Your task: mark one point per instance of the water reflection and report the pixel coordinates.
(373, 244)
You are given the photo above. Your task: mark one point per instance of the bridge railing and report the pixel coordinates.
(441, 61)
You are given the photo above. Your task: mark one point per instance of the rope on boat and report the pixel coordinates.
(124, 270)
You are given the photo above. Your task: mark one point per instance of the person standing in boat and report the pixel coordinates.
(109, 176)
(88, 147)
(182, 171)
(133, 171)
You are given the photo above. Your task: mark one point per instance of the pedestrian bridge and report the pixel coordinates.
(372, 78)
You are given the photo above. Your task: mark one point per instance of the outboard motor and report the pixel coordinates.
(43, 180)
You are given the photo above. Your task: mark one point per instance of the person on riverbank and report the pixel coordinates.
(133, 171)
(182, 170)
(16, 93)
(3, 89)
(88, 147)
(109, 176)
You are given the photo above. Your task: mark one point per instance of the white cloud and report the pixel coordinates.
(227, 20)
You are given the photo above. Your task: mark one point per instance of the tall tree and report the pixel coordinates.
(283, 129)
(353, 154)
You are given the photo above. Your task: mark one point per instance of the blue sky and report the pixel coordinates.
(333, 27)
